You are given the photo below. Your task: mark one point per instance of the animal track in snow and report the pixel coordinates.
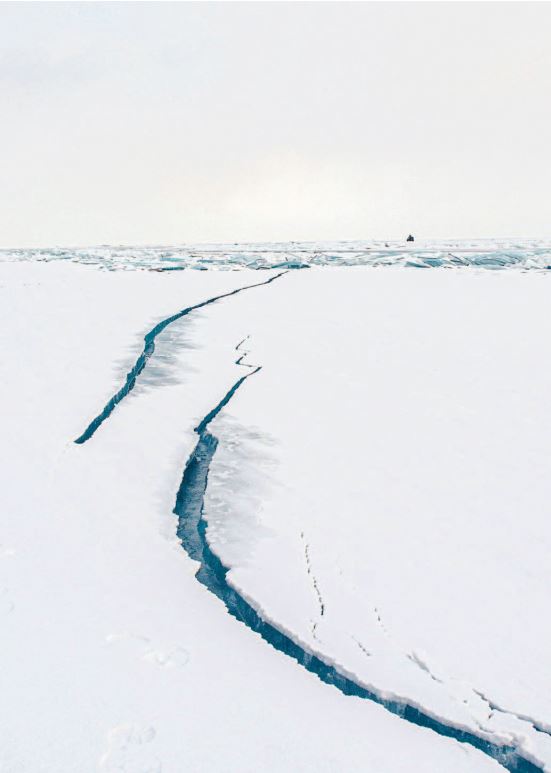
(364, 649)
(315, 586)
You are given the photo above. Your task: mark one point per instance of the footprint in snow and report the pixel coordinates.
(130, 751)
(6, 601)
(142, 647)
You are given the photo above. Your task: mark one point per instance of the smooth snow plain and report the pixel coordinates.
(379, 492)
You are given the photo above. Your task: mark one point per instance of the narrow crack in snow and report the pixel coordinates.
(494, 708)
(423, 666)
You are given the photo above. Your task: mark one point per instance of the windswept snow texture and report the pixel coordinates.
(523, 254)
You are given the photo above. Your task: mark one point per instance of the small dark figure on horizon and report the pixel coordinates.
(410, 238)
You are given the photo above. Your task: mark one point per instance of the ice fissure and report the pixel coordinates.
(192, 531)
(147, 351)
(494, 708)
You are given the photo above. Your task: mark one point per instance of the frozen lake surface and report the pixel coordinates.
(355, 462)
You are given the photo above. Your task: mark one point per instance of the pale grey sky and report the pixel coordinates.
(176, 122)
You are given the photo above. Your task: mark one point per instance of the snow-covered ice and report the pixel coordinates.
(397, 441)
(379, 493)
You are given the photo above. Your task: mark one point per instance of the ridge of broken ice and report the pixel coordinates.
(523, 254)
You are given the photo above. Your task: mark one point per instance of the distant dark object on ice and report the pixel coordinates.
(410, 238)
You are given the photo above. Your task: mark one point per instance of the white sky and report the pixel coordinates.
(169, 123)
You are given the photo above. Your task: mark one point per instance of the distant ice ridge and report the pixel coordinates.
(524, 254)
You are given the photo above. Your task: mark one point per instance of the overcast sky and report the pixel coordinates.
(167, 123)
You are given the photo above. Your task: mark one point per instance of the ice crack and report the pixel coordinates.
(147, 351)
(494, 708)
(192, 531)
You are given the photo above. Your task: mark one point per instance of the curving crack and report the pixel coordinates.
(192, 531)
(495, 709)
(240, 359)
(423, 666)
(147, 351)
